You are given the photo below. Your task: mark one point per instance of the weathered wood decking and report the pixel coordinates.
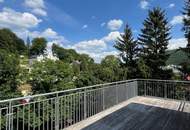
(140, 113)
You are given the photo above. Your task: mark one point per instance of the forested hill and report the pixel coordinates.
(176, 57)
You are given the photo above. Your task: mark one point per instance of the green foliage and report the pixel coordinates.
(38, 46)
(177, 57)
(111, 69)
(143, 69)
(86, 79)
(10, 42)
(185, 68)
(66, 55)
(48, 76)
(186, 21)
(154, 39)
(86, 62)
(9, 69)
(128, 48)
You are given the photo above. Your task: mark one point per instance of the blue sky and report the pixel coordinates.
(88, 26)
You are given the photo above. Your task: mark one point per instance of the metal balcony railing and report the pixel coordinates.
(58, 110)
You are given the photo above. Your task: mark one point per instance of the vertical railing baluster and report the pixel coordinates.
(145, 88)
(117, 94)
(57, 112)
(85, 105)
(10, 116)
(103, 98)
(165, 90)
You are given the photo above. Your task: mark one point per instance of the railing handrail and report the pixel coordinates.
(65, 91)
(160, 80)
(89, 87)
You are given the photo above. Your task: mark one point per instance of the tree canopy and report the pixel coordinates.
(10, 42)
(38, 46)
(154, 39)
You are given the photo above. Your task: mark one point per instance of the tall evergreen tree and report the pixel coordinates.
(185, 66)
(186, 21)
(186, 26)
(154, 39)
(128, 48)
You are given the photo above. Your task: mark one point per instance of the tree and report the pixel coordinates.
(186, 22)
(10, 42)
(185, 66)
(154, 39)
(38, 46)
(67, 55)
(128, 48)
(109, 70)
(9, 69)
(48, 76)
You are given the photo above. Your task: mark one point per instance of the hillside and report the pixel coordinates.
(176, 57)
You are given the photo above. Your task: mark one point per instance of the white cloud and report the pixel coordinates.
(85, 26)
(177, 20)
(50, 33)
(112, 36)
(39, 11)
(103, 24)
(115, 24)
(1, 1)
(144, 4)
(176, 43)
(9, 18)
(34, 3)
(171, 5)
(91, 45)
(99, 56)
(37, 6)
(97, 48)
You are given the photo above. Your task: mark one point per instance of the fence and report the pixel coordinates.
(58, 110)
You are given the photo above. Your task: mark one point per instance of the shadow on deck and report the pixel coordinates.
(143, 113)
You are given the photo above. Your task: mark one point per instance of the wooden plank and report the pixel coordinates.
(141, 113)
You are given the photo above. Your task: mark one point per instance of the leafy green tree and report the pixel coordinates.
(48, 76)
(86, 79)
(38, 46)
(86, 62)
(9, 69)
(154, 39)
(10, 42)
(128, 48)
(67, 55)
(109, 70)
(143, 68)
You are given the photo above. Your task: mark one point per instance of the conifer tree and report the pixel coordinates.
(186, 26)
(128, 48)
(154, 39)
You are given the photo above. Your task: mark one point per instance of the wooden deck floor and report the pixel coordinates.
(140, 113)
